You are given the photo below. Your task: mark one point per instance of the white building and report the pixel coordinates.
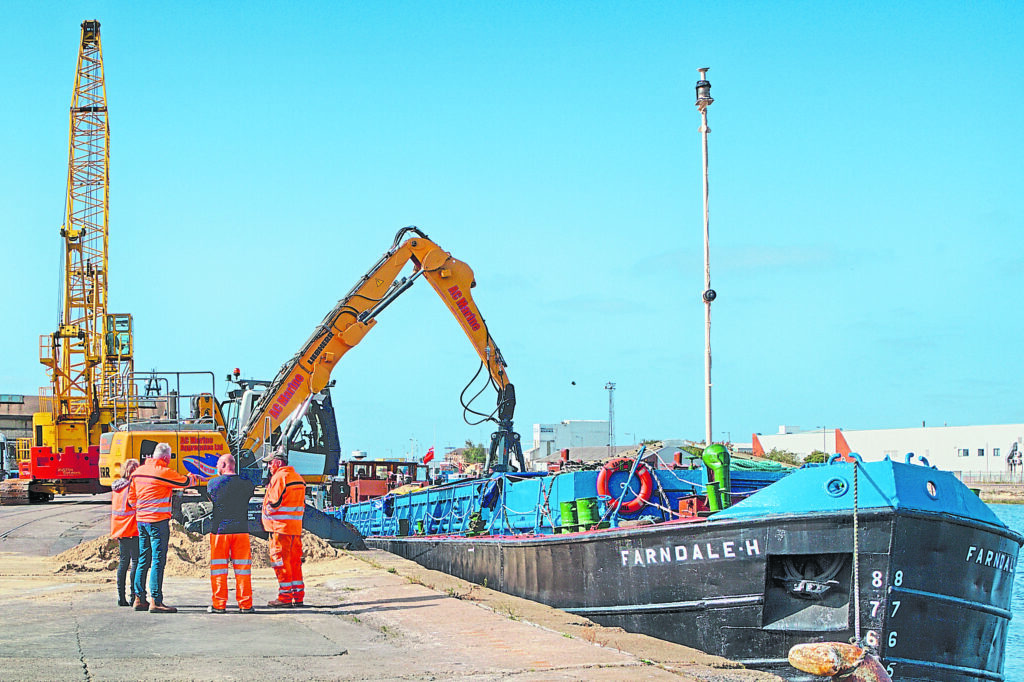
(587, 453)
(966, 449)
(548, 439)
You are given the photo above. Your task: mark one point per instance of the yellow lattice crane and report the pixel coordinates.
(89, 356)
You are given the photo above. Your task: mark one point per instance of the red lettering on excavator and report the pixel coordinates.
(287, 395)
(463, 306)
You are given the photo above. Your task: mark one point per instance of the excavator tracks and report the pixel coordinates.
(17, 491)
(14, 491)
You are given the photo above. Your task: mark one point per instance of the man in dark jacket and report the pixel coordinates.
(229, 539)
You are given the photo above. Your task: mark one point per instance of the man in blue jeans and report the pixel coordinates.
(154, 539)
(152, 486)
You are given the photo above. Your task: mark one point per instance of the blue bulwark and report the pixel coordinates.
(11, 399)
(829, 488)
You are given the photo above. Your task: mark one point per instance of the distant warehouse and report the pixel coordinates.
(966, 449)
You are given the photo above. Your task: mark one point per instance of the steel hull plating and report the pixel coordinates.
(934, 590)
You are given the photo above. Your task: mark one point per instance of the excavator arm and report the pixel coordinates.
(309, 371)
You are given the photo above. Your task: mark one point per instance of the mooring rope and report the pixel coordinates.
(856, 560)
(671, 472)
(545, 509)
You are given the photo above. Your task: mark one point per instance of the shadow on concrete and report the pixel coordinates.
(400, 600)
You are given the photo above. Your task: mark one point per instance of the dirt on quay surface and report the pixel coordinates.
(188, 554)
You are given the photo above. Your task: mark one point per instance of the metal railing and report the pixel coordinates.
(163, 395)
(1001, 477)
(23, 448)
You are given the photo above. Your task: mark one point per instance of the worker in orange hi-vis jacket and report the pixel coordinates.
(229, 539)
(283, 506)
(126, 530)
(149, 493)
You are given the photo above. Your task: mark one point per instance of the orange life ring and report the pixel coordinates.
(646, 484)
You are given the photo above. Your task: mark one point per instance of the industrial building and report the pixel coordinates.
(15, 422)
(16, 415)
(975, 450)
(548, 439)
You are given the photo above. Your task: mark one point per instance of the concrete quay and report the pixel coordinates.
(369, 616)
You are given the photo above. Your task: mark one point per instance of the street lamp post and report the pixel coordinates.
(610, 387)
(704, 100)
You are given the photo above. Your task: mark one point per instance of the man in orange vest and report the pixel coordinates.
(229, 539)
(283, 506)
(149, 493)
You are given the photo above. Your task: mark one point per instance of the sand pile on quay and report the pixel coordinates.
(188, 554)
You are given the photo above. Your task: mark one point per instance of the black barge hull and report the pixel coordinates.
(934, 590)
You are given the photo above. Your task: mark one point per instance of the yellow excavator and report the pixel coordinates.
(256, 419)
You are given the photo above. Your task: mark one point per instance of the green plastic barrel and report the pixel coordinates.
(568, 516)
(586, 512)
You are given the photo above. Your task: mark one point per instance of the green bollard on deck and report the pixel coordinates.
(714, 497)
(716, 459)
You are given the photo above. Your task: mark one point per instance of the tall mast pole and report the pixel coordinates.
(610, 387)
(704, 100)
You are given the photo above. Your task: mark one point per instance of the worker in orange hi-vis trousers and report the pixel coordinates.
(229, 539)
(283, 506)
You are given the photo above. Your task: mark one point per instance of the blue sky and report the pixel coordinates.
(866, 245)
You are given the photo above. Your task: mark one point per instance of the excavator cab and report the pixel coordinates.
(314, 448)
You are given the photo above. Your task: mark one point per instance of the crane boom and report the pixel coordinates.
(90, 352)
(73, 353)
(89, 355)
(351, 319)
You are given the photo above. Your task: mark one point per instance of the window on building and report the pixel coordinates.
(981, 452)
(995, 452)
(963, 452)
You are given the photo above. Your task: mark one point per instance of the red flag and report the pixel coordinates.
(429, 456)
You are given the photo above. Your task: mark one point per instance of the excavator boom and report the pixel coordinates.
(351, 319)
